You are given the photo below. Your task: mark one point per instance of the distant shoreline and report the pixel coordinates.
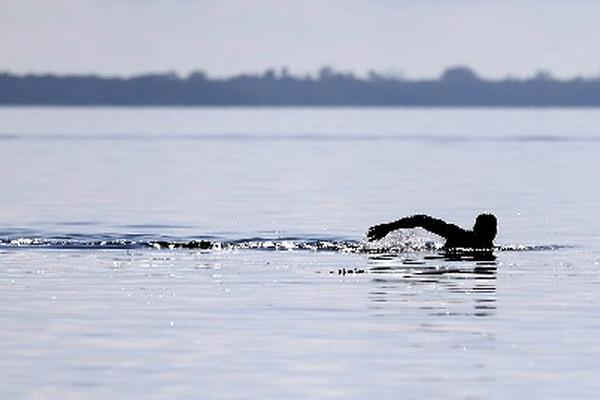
(458, 87)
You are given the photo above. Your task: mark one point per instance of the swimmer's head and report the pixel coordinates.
(486, 226)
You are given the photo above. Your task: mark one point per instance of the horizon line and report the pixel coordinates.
(284, 72)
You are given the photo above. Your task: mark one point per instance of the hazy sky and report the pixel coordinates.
(416, 38)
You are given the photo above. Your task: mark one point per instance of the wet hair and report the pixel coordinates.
(486, 226)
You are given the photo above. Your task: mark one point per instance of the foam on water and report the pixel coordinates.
(405, 243)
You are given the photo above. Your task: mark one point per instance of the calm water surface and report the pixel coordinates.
(85, 320)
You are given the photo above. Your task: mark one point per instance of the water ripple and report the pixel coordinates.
(379, 250)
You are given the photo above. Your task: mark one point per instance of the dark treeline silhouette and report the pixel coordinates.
(457, 86)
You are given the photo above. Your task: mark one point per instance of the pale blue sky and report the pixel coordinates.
(225, 37)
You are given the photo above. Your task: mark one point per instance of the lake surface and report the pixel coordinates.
(287, 304)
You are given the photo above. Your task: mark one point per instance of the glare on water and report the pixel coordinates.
(291, 303)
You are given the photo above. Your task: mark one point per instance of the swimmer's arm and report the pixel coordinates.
(434, 225)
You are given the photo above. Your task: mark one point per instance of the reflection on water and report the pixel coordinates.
(468, 279)
(108, 289)
(142, 322)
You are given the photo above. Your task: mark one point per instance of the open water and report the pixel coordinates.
(100, 298)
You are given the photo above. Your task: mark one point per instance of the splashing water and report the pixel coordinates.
(402, 241)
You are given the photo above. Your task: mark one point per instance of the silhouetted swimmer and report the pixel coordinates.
(481, 237)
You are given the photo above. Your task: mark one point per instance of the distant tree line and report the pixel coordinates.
(457, 86)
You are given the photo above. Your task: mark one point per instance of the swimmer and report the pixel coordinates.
(480, 237)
